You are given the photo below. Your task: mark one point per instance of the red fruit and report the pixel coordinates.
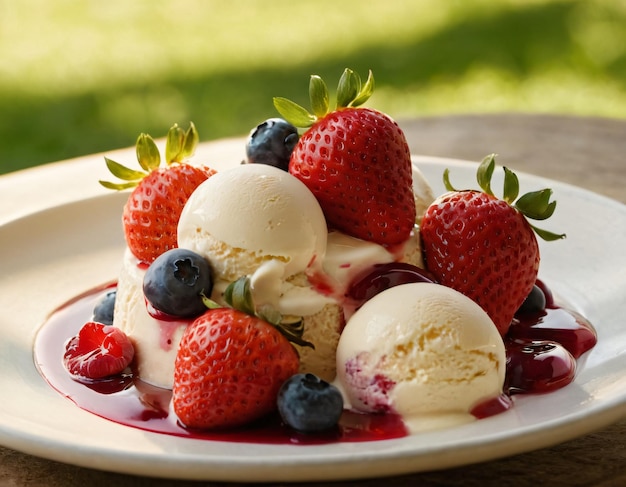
(152, 211)
(483, 246)
(98, 351)
(229, 368)
(356, 161)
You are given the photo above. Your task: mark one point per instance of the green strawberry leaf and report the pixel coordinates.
(546, 235)
(179, 145)
(239, 296)
(191, 140)
(318, 93)
(122, 172)
(294, 113)
(350, 93)
(365, 92)
(117, 186)
(446, 180)
(293, 332)
(511, 186)
(174, 144)
(269, 314)
(147, 153)
(208, 302)
(348, 88)
(485, 172)
(536, 204)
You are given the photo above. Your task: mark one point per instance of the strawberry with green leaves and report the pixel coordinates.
(231, 362)
(483, 246)
(151, 214)
(356, 161)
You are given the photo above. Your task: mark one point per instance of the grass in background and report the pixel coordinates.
(79, 77)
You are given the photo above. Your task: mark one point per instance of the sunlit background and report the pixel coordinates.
(78, 77)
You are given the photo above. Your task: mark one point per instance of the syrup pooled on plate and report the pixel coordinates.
(126, 400)
(542, 348)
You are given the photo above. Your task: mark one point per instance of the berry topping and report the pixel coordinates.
(152, 211)
(272, 143)
(98, 351)
(547, 293)
(229, 368)
(383, 276)
(534, 302)
(356, 161)
(483, 246)
(176, 282)
(309, 404)
(103, 311)
(231, 362)
(537, 366)
(568, 328)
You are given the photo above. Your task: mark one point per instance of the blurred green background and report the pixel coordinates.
(78, 77)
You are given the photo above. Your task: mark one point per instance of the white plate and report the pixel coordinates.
(65, 238)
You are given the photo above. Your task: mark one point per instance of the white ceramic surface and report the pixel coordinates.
(60, 235)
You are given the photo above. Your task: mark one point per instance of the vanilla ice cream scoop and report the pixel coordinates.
(250, 214)
(423, 351)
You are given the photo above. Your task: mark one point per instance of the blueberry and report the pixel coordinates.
(309, 404)
(175, 281)
(272, 143)
(103, 311)
(534, 302)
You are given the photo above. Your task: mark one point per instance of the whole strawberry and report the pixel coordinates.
(484, 247)
(151, 213)
(229, 368)
(356, 161)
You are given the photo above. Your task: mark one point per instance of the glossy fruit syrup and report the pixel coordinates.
(127, 400)
(542, 348)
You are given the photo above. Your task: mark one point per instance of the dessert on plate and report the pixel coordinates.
(322, 275)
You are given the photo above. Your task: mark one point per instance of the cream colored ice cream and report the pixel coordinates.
(250, 214)
(423, 351)
(422, 193)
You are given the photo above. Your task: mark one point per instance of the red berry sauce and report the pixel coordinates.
(127, 400)
(542, 348)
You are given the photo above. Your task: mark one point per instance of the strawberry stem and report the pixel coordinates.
(179, 145)
(350, 93)
(238, 295)
(535, 205)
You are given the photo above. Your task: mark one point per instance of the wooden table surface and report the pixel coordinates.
(586, 152)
